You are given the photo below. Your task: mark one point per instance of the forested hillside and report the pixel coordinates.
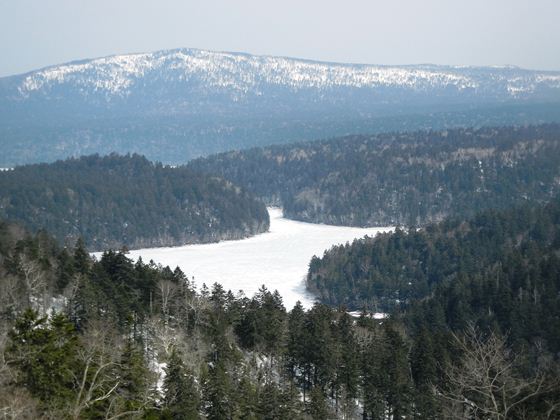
(88, 339)
(505, 260)
(399, 179)
(116, 201)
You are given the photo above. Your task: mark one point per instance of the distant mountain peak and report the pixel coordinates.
(245, 74)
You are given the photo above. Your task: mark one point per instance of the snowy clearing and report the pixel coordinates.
(278, 259)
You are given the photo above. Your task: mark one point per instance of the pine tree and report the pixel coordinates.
(424, 372)
(374, 378)
(181, 397)
(348, 369)
(44, 352)
(290, 403)
(134, 378)
(82, 261)
(247, 400)
(217, 393)
(317, 407)
(269, 402)
(399, 389)
(65, 270)
(295, 345)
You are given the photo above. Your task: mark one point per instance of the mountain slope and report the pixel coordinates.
(198, 102)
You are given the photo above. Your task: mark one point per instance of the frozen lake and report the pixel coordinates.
(278, 259)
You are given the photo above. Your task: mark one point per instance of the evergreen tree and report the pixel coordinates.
(45, 355)
(247, 399)
(296, 343)
(424, 372)
(346, 382)
(181, 397)
(373, 377)
(217, 393)
(399, 389)
(317, 407)
(269, 402)
(134, 387)
(81, 258)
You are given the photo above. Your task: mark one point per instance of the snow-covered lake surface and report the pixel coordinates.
(278, 259)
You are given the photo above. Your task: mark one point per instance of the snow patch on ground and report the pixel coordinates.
(374, 315)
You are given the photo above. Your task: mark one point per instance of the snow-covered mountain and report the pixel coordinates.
(225, 91)
(179, 80)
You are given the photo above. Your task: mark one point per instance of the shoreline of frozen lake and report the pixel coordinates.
(279, 258)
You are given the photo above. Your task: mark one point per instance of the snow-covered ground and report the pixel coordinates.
(278, 259)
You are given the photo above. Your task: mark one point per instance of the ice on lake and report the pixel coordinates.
(279, 259)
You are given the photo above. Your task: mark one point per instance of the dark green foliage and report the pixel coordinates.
(399, 179)
(317, 407)
(261, 323)
(424, 369)
(295, 347)
(44, 352)
(374, 380)
(247, 399)
(217, 393)
(503, 260)
(133, 378)
(345, 384)
(269, 402)
(126, 200)
(277, 403)
(181, 398)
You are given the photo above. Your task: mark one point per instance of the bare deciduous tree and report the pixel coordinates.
(99, 355)
(486, 383)
(34, 280)
(11, 298)
(166, 291)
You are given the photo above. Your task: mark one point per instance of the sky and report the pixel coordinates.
(526, 33)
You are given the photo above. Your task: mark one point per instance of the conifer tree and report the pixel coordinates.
(247, 399)
(81, 258)
(295, 344)
(217, 393)
(44, 353)
(134, 378)
(181, 397)
(317, 406)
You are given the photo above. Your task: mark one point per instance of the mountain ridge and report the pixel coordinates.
(117, 73)
(176, 105)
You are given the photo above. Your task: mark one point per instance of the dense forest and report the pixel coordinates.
(516, 249)
(501, 266)
(116, 201)
(112, 338)
(407, 179)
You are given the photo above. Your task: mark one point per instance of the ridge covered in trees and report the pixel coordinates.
(112, 338)
(408, 179)
(116, 201)
(500, 265)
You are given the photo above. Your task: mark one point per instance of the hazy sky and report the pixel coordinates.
(36, 33)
